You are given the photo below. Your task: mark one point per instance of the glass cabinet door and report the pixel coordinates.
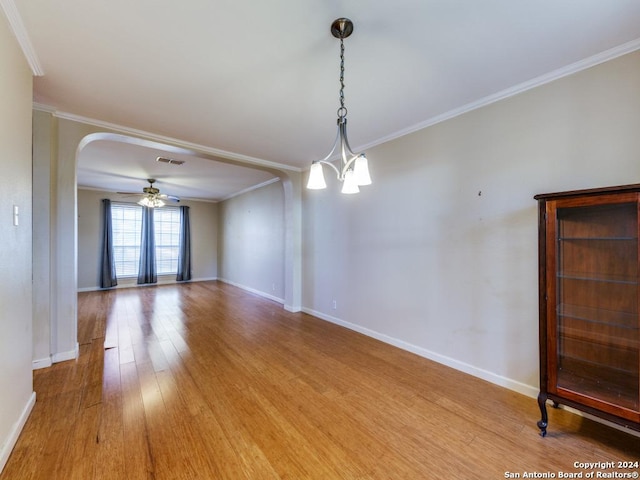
(596, 288)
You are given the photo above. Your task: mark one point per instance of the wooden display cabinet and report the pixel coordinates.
(588, 289)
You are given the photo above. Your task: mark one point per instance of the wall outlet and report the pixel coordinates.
(335, 304)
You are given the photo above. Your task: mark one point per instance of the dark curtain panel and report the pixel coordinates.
(184, 256)
(107, 266)
(147, 267)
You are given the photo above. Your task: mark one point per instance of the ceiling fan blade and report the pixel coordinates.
(151, 192)
(173, 198)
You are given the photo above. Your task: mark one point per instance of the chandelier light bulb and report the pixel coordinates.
(350, 185)
(361, 171)
(316, 177)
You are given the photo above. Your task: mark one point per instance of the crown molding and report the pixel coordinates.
(247, 190)
(19, 30)
(576, 67)
(166, 140)
(41, 107)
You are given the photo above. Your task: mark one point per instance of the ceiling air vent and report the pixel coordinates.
(169, 160)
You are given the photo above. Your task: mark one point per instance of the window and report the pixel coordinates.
(126, 221)
(166, 222)
(126, 224)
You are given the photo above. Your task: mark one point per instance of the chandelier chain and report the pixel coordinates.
(342, 111)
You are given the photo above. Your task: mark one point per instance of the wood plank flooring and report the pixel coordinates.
(206, 381)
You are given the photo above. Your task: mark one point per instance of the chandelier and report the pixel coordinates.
(354, 170)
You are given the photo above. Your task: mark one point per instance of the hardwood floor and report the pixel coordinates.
(206, 381)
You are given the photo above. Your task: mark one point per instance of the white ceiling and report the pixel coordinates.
(259, 79)
(124, 167)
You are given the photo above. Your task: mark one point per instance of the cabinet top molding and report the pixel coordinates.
(635, 187)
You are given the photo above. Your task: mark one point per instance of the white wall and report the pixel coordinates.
(55, 147)
(252, 241)
(204, 250)
(439, 255)
(16, 387)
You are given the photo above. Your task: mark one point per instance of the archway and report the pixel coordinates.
(67, 138)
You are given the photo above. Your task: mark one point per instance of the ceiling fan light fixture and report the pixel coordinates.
(151, 196)
(354, 168)
(151, 202)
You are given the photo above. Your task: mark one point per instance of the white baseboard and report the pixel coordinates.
(203, 279)
(64, 356)
(56, 358)
(7, 447)
(253, 290)
(499, 380)
(41, 363)
(494, 378)
(133, 284)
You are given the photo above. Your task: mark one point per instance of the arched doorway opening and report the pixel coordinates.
(66, 140)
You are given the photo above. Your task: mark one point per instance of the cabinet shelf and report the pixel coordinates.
(619, 387)
(599, 316)
(598, 277)
(589, 302)
(596, 239)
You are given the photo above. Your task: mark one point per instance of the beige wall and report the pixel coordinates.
(252, 241)
(16, 388)
(439, 255)
(204, 250)
(43, 241)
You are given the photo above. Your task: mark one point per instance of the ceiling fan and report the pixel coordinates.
(151, 196)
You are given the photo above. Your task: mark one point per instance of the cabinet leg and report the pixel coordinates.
(544, 421)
